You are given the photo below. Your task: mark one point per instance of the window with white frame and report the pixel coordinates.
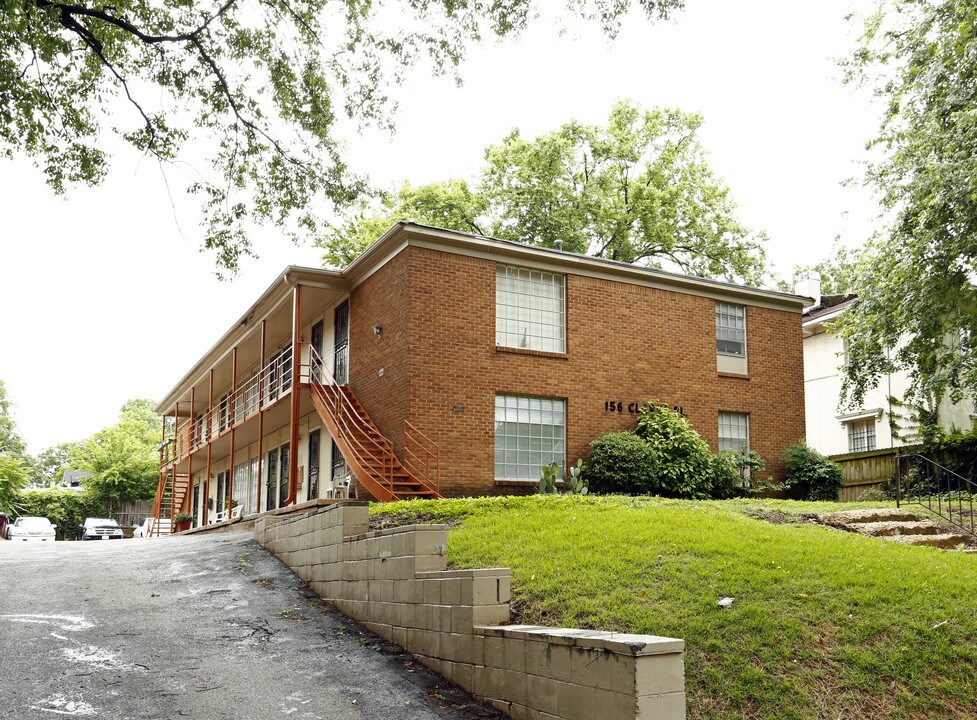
(861, 435)
(734, 431)
(730, 329)
(530, 309)
(529, 432)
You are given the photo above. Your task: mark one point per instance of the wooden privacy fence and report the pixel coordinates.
(871, 470)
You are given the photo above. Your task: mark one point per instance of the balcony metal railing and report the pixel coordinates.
(270, 384)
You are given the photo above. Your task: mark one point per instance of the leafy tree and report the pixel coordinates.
(53, 461)
(262, 85)
(14, 477)
(11, 443)
(636, 190)
(917, 304)
(837, 272)
(452, 204)
(10, 440)
(122, 459)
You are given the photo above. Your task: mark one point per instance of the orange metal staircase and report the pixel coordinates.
(369, 455)
(170, 496)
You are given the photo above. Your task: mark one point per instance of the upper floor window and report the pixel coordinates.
(530, 309)
(730, 329)
(734, 431)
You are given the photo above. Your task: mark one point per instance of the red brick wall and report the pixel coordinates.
(381, 300)
(624, 343)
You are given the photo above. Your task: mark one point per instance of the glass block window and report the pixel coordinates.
(530, 309)
(734, 431)
(861, 435)
(730, 329)
(529, 432)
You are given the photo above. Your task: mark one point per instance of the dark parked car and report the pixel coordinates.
(3, 525)
(99, 529)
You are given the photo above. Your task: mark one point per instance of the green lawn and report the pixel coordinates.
(824, 624)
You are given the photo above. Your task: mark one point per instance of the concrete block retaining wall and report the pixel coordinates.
(396, 583)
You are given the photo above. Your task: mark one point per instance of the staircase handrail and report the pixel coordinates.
(420, 452)
(944, 503)
(344, 414)
(158, 500)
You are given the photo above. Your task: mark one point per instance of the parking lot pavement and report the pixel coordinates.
(209, 627)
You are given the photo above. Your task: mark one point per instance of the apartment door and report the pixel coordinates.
(272, 480)
(341, 350)
(313, 492)
(283, 475)
(196, 503)
(315, 358)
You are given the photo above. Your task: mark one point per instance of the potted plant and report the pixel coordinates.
(182, 521)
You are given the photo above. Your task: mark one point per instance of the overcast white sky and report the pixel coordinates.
(105, 297)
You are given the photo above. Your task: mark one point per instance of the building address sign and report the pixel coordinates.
(634, 408)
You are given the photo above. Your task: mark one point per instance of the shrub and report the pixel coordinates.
(684, 458)
(809, 475)
(65, 508)
(736, 473)
(621, 462)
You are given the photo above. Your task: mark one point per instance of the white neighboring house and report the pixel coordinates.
(835, 431)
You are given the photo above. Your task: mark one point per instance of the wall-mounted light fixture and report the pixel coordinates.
(377, 330)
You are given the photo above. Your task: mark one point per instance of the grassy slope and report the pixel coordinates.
(824, 624)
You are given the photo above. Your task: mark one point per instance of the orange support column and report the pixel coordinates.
(293, 454)
(261, 415)
(187, 500)
(209, 417)
(231, 416)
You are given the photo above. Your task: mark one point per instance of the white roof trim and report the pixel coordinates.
(863, 415)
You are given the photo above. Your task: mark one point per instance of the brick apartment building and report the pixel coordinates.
(445, 363)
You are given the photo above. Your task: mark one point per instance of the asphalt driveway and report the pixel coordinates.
(208, 627)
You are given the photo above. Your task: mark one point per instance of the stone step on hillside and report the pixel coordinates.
(896, 525)
(846, 518)
(943, 540)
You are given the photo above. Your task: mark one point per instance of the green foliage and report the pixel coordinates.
(819, 616)
(11, 443)
(809, 475)
(917, 304)
(183, 517)
(574, 482)
(65, 508)
(122, 459)
(735, 473)
(547, 482)
(53, 461)
(14, 477)
(622, 463)
(636, 190)
(837, 272)
(262, 88)
(450, 204)
(684, 458)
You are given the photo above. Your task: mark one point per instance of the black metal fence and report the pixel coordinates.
(925, 482)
